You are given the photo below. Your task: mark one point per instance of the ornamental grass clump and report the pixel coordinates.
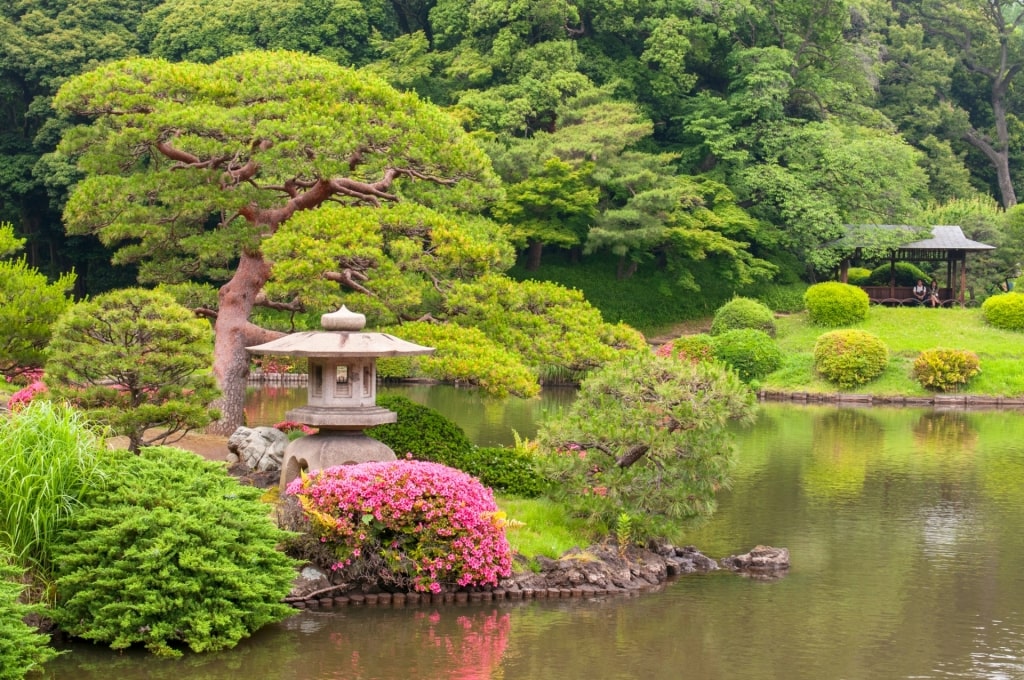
(432, 527)
(945, 370)
(48, 461)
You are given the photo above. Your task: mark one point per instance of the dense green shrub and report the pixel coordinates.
(945, 370)
(835, 304)
(1004, 311)
(850, 357)
(693, 348)
(22, 648)
(48, 460)
(743, 312)
(784, 298)
(505, 470)
(858, 276)
(906, 275)
(136, 361)
(421, 431)
(170, 552)
(752, 353)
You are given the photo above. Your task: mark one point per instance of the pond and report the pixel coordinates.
(906, 533)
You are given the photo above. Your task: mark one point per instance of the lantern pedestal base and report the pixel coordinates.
(329, 448)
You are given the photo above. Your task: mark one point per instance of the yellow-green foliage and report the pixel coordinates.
(835, 304)
(850, 358)
(945, 370)
(1005, 311)
(857, 276)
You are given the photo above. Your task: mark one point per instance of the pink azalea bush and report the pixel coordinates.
(434, 524)
(26, 394)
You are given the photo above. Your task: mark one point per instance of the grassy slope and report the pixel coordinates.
(907, 331)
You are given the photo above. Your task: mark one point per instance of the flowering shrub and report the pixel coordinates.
(290, 427)
(430, 524)
(945, 369)
(26, 394)
(692, 348)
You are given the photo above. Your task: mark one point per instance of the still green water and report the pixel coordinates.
(906, 533)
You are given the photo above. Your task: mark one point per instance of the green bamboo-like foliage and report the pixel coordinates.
(48, 460)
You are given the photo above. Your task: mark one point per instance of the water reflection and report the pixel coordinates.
(906, 538)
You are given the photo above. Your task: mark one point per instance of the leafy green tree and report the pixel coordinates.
(552, 207)
(985, 39)
(646, 439)
(29, 306)
(191, 167)
(338, 30)
(136, 361)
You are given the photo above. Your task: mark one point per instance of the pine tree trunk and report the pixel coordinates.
(533, 253)
(232, 334)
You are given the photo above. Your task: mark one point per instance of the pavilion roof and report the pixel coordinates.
(944, 237)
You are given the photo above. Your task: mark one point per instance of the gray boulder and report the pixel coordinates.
(260, 448)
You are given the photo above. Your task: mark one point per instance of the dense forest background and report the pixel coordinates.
(681, 150)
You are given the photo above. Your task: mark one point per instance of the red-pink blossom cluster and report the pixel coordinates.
(289, 425)
(437, 524)
(22, 397)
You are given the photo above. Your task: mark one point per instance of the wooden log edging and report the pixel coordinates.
(970, 401)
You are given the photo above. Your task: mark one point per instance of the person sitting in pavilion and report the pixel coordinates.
(920, 291)
(933, 294)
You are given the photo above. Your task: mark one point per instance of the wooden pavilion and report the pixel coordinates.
(947, 244)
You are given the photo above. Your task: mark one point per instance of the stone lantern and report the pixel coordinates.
(341, 392)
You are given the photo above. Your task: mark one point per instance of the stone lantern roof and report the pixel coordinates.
(341, 337)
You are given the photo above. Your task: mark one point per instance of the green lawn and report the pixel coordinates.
(907, 331)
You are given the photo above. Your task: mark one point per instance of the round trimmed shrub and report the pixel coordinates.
(751, 353)
(858, 276)
(743, 312)
(850, 358)
(22, 647)
(945, 370)
(421, 431)
(906, 275)
(169, 552)
(418, 524)
(1004, 311)
(505, 470)
(834, 304)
